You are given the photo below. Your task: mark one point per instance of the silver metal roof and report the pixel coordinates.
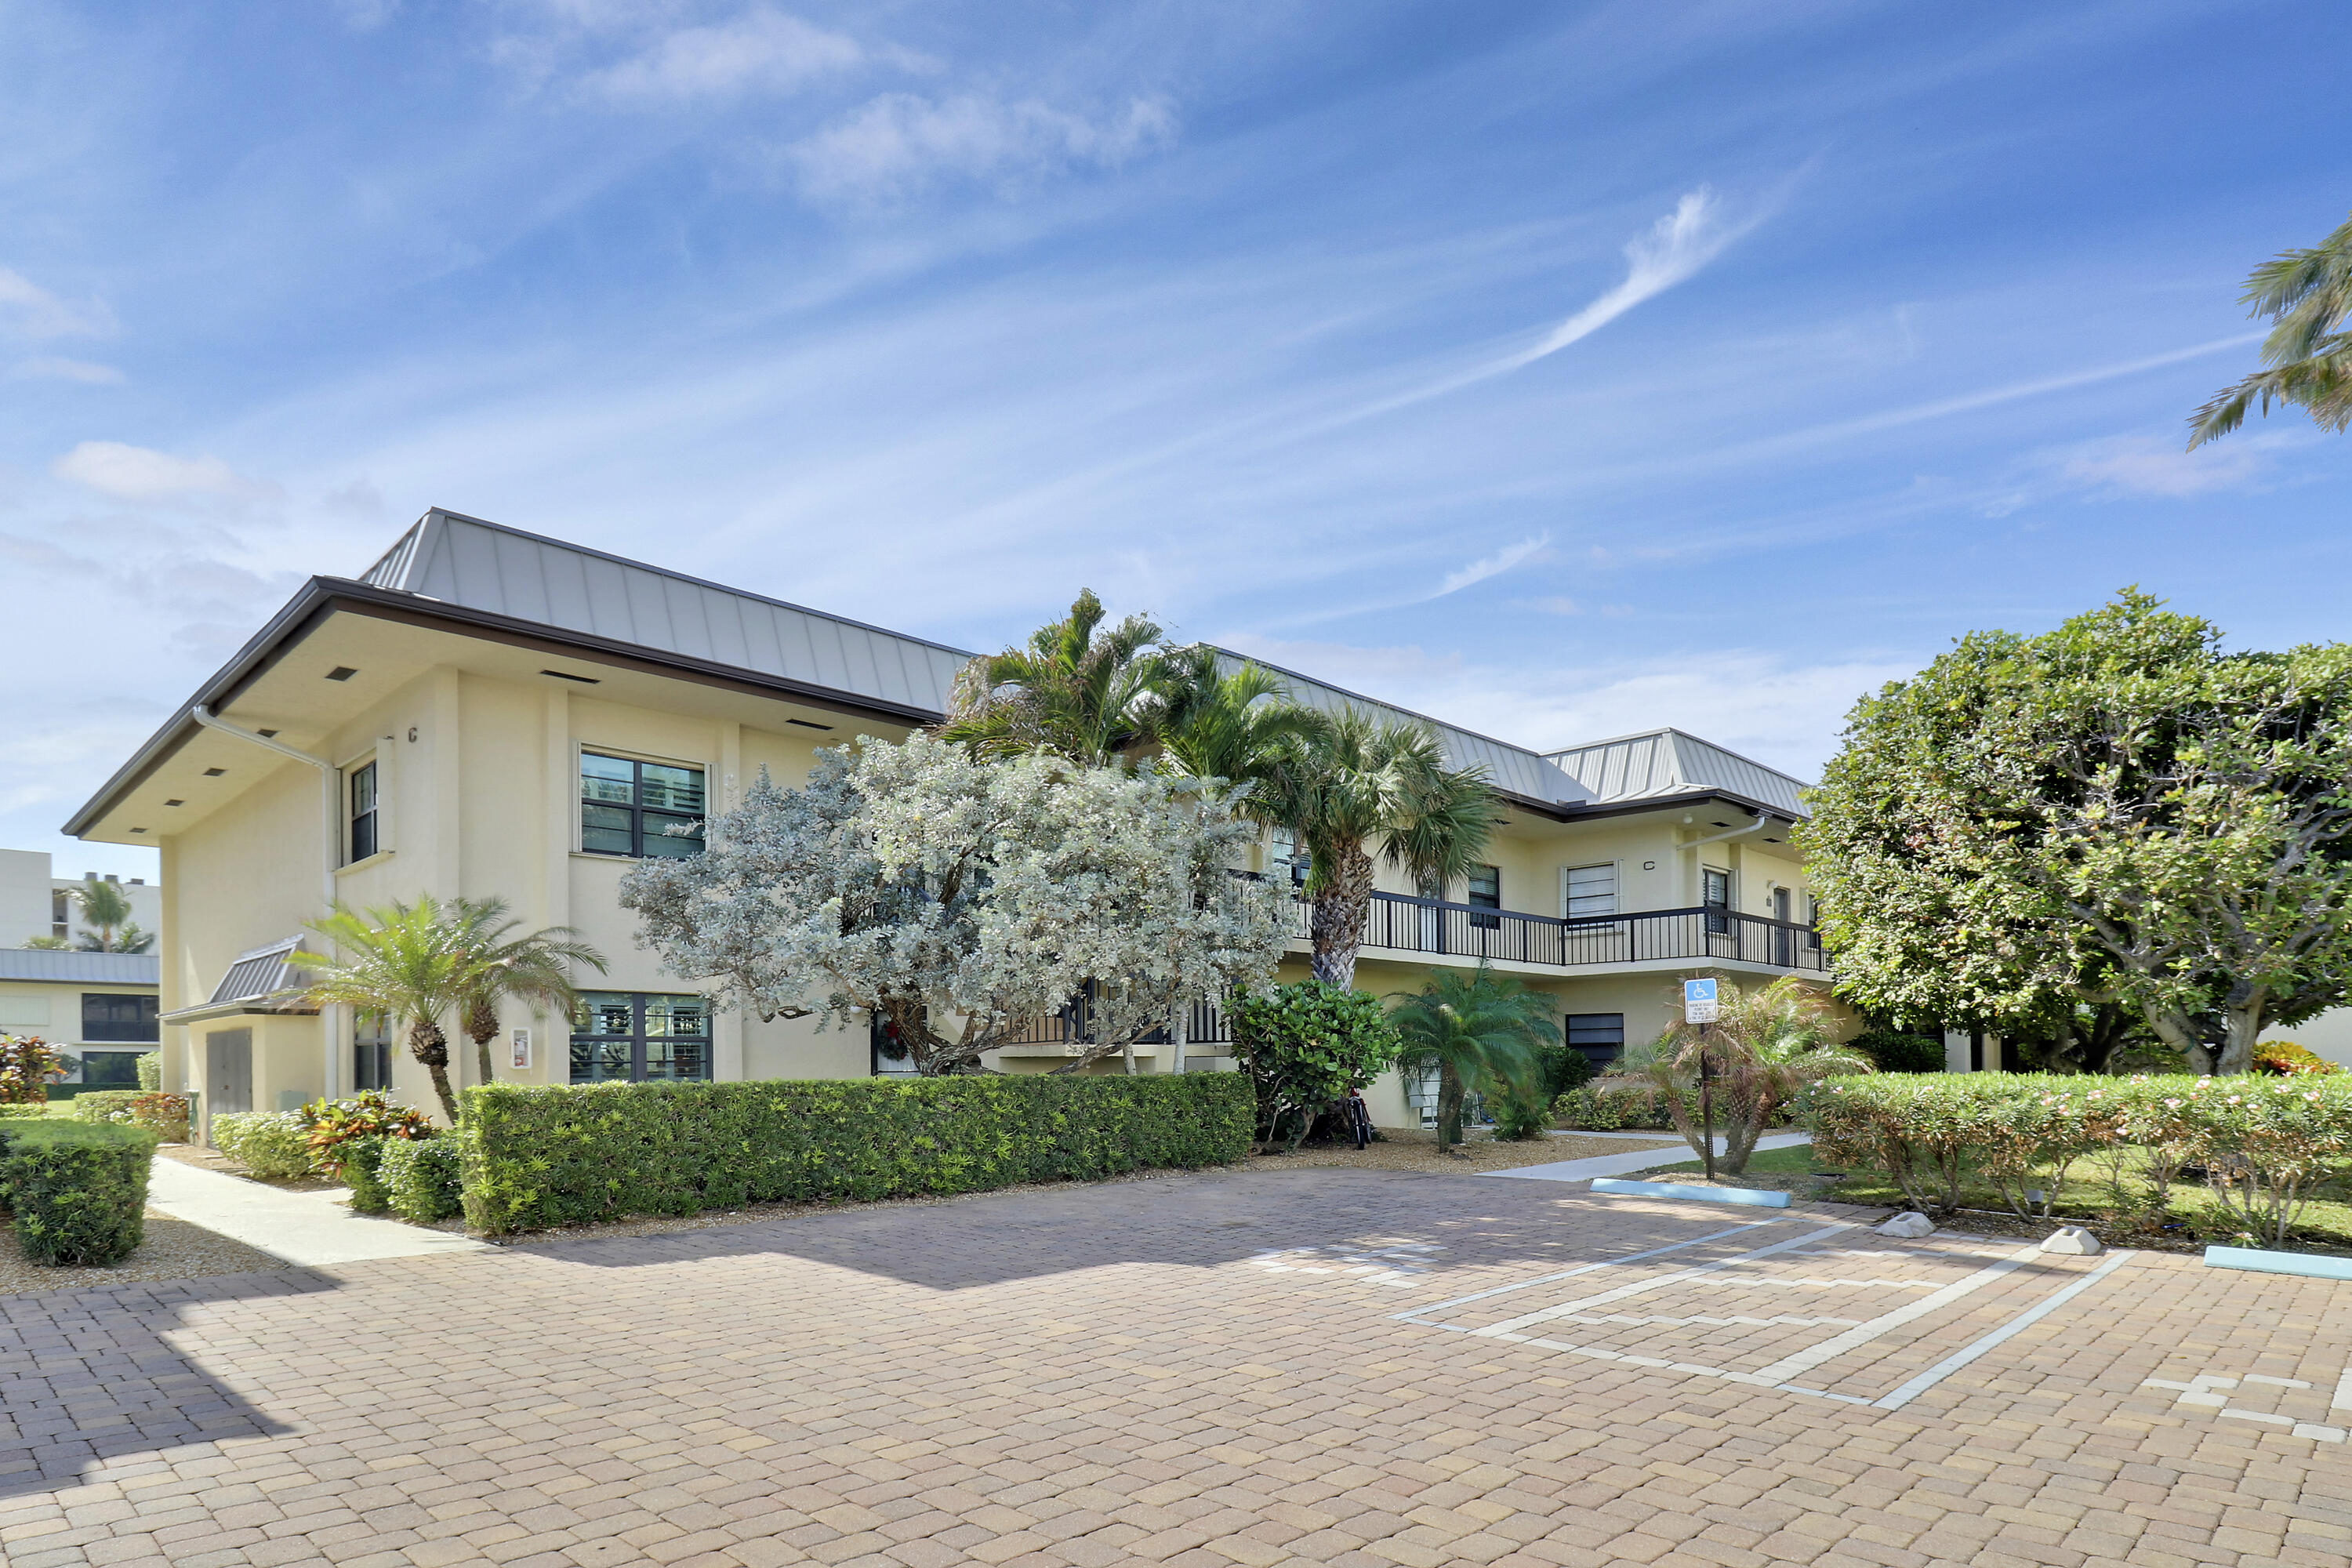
(258, 975)
(80, 968)
(1666, 763)
(485, 566)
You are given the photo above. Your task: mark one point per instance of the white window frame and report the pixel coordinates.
(381, 753)
(1616, 885)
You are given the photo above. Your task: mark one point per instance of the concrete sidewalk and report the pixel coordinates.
(309, 1229)
(1634, 1160)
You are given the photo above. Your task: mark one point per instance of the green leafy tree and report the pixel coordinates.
(106, 908)
(1076, 690)
(1306, 1044)
(1764, 1047)
(1483, 1032)
(2112, 814)
(405, 960)
(2307, 357)
(497, 966)
(1352, 787)
(1236, 725)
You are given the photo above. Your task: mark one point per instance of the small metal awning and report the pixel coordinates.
(263, 980)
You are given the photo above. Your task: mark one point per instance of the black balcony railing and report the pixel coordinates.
(1401, 924)
(1074, 1025)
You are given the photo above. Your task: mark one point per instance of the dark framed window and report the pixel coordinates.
(1601, 1037)
(371, 1051)
(1286, 857)
(637, 1037)
(1715, 893)
(363, 814)
(1485, 892)
(117, 1018)
(629, 808)
(109, 1069)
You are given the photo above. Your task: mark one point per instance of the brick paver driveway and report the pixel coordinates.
(1237, 1367)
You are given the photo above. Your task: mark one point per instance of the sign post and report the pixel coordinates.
(1699, 1008)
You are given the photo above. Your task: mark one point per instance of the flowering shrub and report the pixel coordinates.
(27, 1065)
(2284, 1056)
(2265, 1142)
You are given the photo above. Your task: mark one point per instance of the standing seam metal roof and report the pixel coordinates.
(68, 967)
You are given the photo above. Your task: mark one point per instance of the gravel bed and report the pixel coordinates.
(174, 1249)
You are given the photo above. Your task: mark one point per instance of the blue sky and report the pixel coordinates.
(1561, 369)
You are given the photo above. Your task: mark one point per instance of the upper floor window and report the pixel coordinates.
(60, 913)
(1714, 894)
(1286, 857)
(117, 1018)
(1590, 891)
(1485, 891)
(629, 807)
(364, 841)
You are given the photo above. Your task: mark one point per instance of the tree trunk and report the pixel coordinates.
(428, 1044)
(1336, 923)
(482, 1024)
(1449, 1109)
(2180, 1032)
(2244, 1025)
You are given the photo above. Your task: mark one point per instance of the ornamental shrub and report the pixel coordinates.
(102, 1105)
(358, 1162)
(274, 1145)
(1897, 1050)
(78, 1190)
(166, 1115)
(420, 1178)
(28, 1063)
(2284, 1056)
(535, 1156)
(151, 1071)
(367, 1114)
(1305, 1045)
(1584, 1109)
(28, 1110)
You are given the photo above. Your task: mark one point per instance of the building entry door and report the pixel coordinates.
(228, 1072)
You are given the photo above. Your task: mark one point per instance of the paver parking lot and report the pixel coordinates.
(1253, 1367)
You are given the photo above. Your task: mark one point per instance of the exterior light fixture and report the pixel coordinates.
(215, 772)
(176, 802)
(341, 672)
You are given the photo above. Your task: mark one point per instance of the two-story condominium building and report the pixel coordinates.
(486, 712)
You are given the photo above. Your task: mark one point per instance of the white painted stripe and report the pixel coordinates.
(1568, 1308)
(2019, 1324)
(1811, 1356)
(2343, 1400)
(1587, 1268)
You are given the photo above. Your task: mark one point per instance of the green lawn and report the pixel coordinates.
(2193, 1214)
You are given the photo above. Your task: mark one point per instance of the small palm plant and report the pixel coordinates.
(1075, 689)
(497, 966)
(403, 960)
(1763, 1047)
(1481, 1032)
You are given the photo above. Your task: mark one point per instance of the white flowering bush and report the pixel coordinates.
(961, 901)
(2264, 1144)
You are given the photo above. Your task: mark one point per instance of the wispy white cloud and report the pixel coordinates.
(35, 312)
(138, 474)
(1493, 565)
(900, 142)
(48, 367)
(2144, 466)
(762, 51)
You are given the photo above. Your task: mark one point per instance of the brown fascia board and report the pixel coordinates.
(323, 596)
(1571, 811)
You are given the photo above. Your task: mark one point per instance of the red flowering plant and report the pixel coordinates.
(28, 1064)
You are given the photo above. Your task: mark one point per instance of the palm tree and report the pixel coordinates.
(1355, 786)
(496, 967)
(408, 962)
(106, 907)
(1236, 725)
(1071, 691)
(1763, 1047)
(1480, 1031)
(2307, 355)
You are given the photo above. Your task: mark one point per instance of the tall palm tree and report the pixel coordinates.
(107, 908)
(2308, 354)
(1237, 725)
(1359, 786)
(1076, 690)
(1763, 1047)
(1480, 1031)
(408, 962)
(496, 967)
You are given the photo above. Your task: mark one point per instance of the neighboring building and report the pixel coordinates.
(34, 903)
(98, 1008)
(488, 712)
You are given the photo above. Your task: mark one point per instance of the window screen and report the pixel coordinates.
(1591, 890)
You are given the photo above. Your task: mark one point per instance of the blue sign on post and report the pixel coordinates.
(1698, 1001)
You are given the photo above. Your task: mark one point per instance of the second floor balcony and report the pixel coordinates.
(1430, 928)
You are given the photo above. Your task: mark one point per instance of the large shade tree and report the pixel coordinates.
(2307, 355)
(2114, 814)
(959, 900)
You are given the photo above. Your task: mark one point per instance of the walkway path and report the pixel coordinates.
(309, 1229)
(1634, 1160)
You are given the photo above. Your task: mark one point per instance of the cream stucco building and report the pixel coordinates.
(486, 712)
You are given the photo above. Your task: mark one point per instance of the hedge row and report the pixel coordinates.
(79, 1189)
(561, 1154)
(2263, 1142)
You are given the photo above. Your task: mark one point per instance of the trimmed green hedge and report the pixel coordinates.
(564, 1155)
(79, 1189)
(420, 1177)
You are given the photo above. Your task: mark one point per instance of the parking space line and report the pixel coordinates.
(1586, 1269)
(2023, 1321)
(1510, 1327)
(1836, 1345)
